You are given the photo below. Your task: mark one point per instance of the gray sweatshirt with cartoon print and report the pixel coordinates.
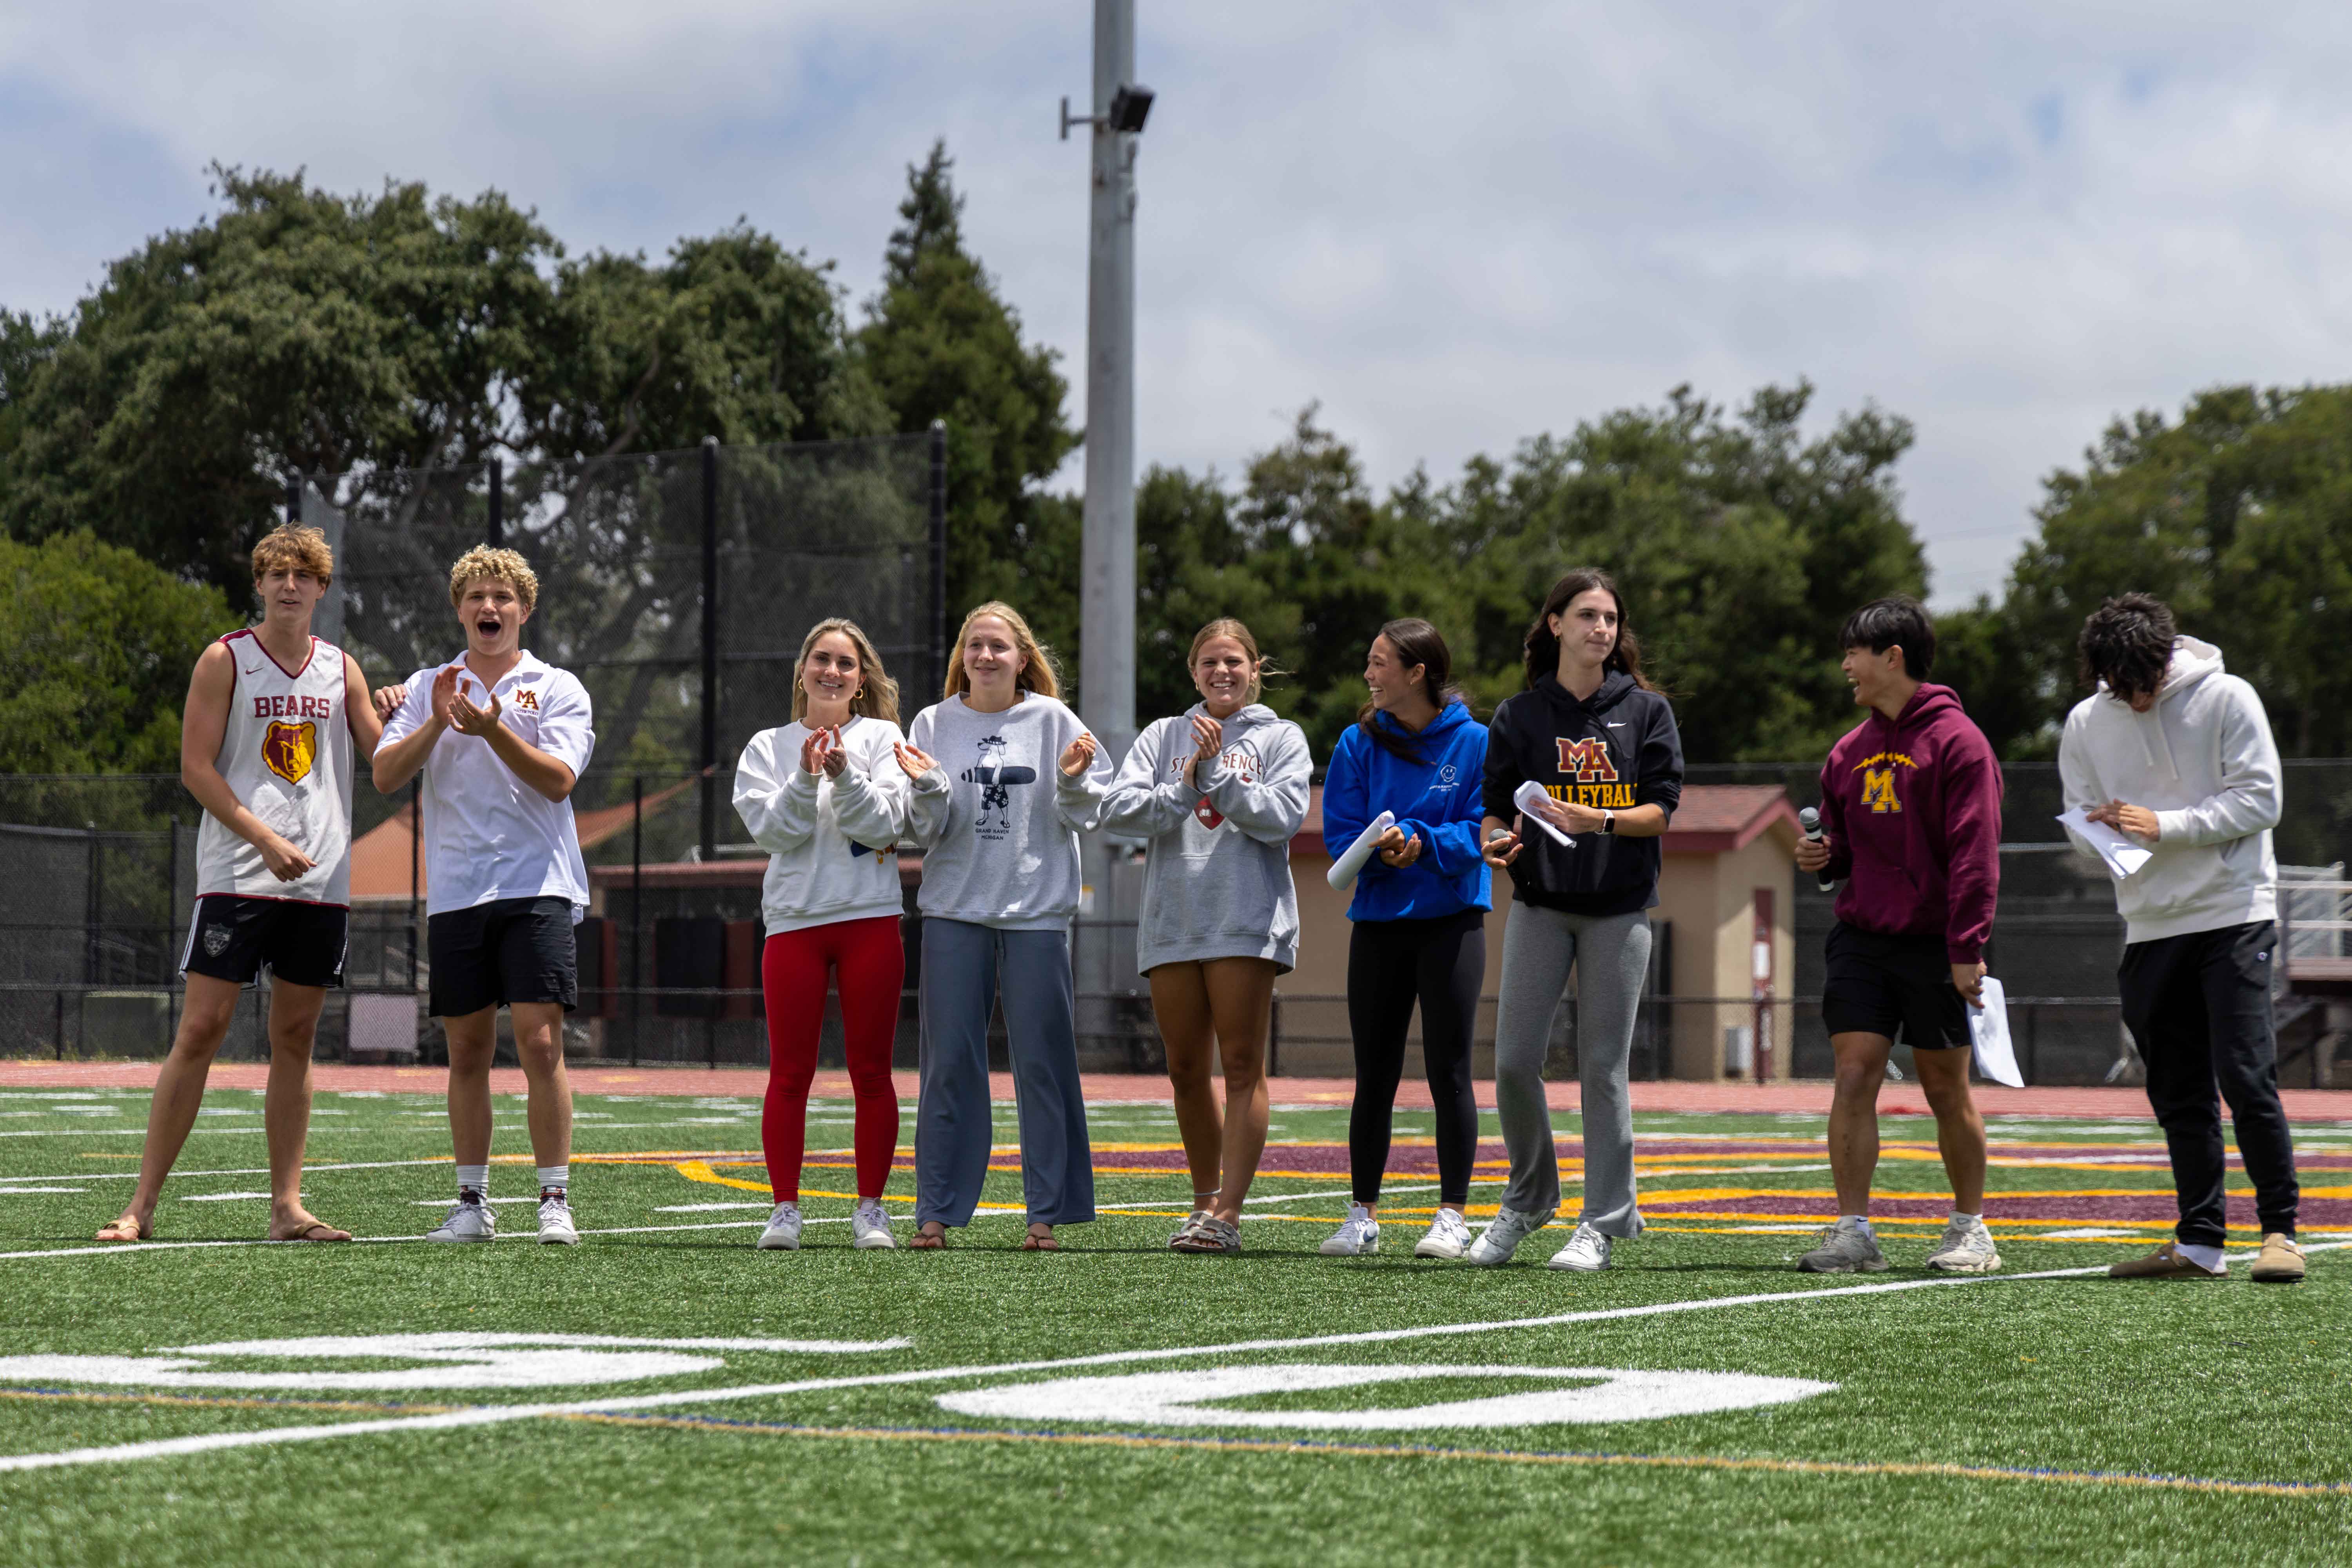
(998, 819)
(1216, 874)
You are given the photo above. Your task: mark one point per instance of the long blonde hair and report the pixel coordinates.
(877, 694)
(1037, 672)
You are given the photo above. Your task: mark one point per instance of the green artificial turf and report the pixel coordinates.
(2015, 1377)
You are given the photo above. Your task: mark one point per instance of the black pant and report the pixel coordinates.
(1390, 964)
(2199, 1007)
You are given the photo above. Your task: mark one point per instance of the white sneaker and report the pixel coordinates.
(1361, 1234)
(555, 1226)
(466, 1222)
(1967, 1248)
(1448, 1237)
(1844, 1247)
(784, 1232)
(869, 1227)
(1587, 1252)
(1502, 1238)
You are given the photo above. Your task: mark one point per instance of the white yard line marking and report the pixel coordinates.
(493, 1415)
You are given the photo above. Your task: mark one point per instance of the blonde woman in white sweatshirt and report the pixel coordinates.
(825, 797)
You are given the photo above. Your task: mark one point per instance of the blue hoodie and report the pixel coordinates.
(1436, 800)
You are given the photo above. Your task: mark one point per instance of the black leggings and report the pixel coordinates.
(1390, 964)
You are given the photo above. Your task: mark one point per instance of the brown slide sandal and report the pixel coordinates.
(123, 1229)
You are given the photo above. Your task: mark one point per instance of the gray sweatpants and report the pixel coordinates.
(963, 965)
(1611, 954)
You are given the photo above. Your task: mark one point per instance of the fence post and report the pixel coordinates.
(93, 910)
(497, 475)
(636, 914)
(170, 930)
(416, 861)
(939, 554)
(710, 647)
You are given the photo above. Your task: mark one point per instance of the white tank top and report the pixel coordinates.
(287, 754)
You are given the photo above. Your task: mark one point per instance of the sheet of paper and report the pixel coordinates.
(1988, 1035)
(1343, 870)
(2123, 853)
(1525, 796)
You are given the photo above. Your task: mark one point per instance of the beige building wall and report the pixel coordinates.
(1711, 901)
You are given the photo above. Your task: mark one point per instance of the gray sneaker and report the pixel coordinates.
(1967, 1248)
(1502, 1238)
(1843, 1248)
(1587, 1252)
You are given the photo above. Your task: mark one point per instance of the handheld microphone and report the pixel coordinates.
(1811, 821)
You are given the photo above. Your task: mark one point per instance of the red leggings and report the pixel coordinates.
(871, 964)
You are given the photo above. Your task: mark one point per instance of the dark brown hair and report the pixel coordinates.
(1416, 643)
(1897, 621)
(1543, 644)
(2127, 643)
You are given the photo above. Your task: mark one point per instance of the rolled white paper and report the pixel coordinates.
(1343, 870)
(1525, 798)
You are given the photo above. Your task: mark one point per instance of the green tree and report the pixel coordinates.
(1739, 546)
(300, 329)
(940, 343)
(2240, 516)
(99, 646)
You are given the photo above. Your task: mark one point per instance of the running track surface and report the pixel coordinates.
(1807, 1097)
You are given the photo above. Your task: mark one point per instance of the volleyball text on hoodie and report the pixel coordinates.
(2203, 760)
(1911, 808)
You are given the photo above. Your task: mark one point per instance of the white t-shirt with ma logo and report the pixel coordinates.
(488, 835)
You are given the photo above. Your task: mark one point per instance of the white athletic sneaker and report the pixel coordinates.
(1361, 1234)
(466, 1222)
(1843, 1248)
(1448, 1237)
(1587, 1252)
(869, 1227)
(1967, 1248)
(1502, 1238)
(784, 1232)
(556, 1226)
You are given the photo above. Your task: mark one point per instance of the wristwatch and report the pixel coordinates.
(1608, 821)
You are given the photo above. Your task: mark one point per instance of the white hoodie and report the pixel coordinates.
(2202, 759)
(829, 841)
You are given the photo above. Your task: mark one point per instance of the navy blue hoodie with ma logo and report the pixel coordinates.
(1615, 749)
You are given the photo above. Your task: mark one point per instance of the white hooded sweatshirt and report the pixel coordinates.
(2202, 759)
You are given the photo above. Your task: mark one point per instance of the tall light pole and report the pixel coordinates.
(1106, 568)
(1107, 601)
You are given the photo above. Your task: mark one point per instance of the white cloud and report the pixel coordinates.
(1456, 225)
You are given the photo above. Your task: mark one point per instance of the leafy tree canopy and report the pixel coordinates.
(99, 646)
(300, 329)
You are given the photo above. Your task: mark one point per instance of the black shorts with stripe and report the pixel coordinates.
(235, 937)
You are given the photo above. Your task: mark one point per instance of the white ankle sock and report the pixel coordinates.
(475, 1178)
(556, 1176)
(1960, 1218)
(1862, 1220)
(2203, 1256)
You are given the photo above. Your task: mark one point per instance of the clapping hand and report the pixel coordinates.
(913, 761)
(467, 718)
(388, 700)
(1080, 755)
(822, 752)
(1208, 740)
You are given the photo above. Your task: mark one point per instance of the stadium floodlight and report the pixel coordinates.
(1130, 105)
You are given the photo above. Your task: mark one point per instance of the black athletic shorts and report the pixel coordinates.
(512, 950)
(1899, 986)
(234, 938)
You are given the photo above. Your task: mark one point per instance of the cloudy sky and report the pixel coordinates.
(1456, 225)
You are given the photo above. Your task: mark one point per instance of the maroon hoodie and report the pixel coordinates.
(1911, 811)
